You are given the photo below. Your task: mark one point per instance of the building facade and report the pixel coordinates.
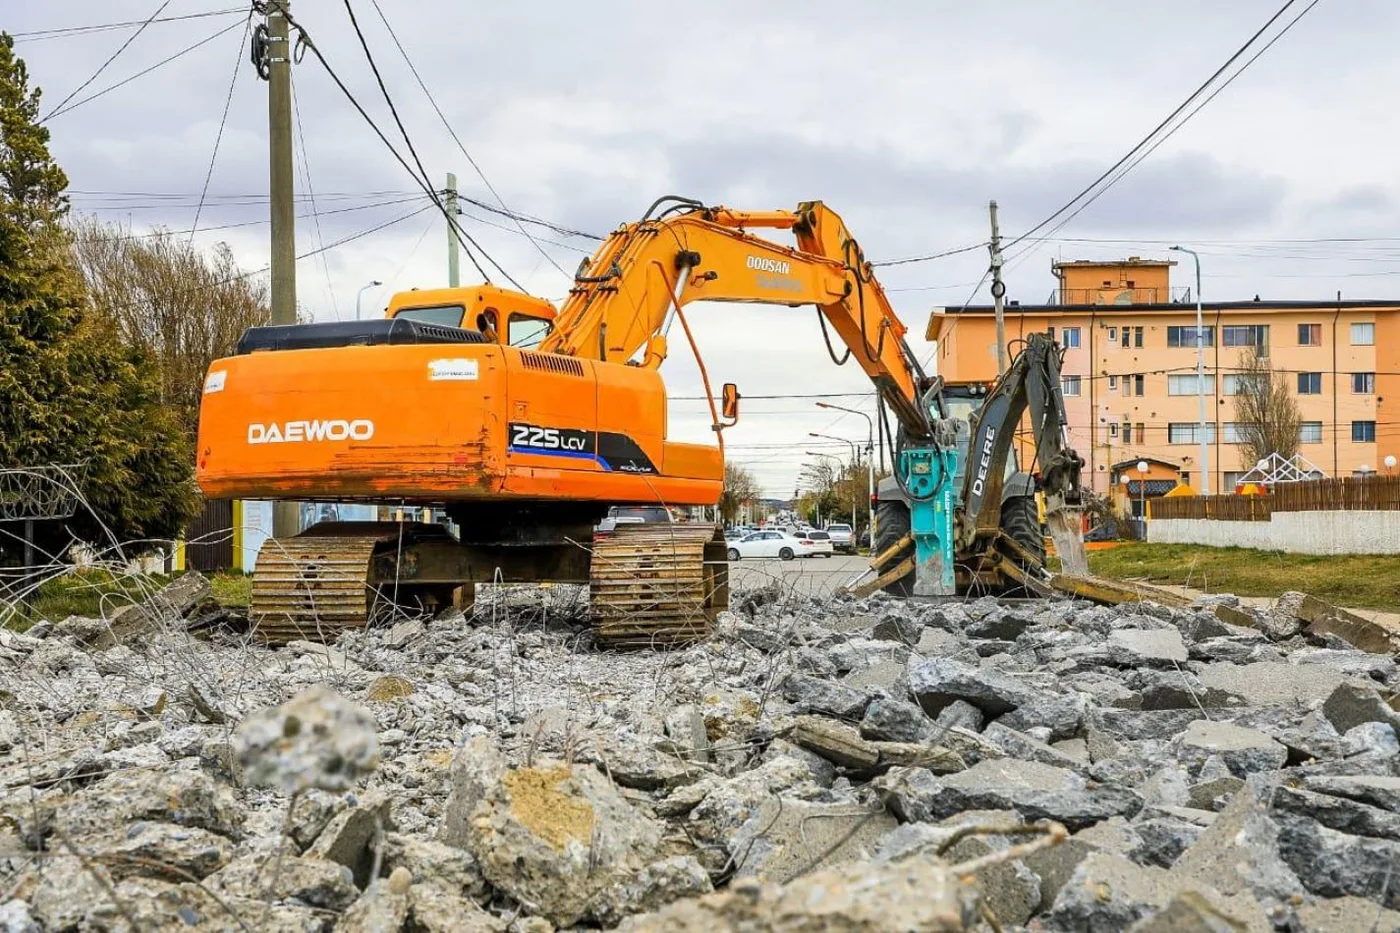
(1129, 369)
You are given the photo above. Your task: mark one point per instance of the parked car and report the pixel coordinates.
(633, 515)
(842, 537)
(825, 546)
(777, 544)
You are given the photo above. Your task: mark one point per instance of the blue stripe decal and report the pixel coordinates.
(571, 454)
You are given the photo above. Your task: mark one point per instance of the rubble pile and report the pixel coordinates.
(838, 764)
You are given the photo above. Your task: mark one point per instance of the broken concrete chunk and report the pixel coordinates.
(350, 838)
(826, 697)
(1331, 863)
(435, 910)
(909, 793)
(1106, 893)
(1339, 813)
(1371, 738)
(1352, 704)
(1136, 647)
(961, 713)
(787, 838)
(1239, 853)
(1244, 751)
(892, 720)
(1381, 792)
(1272, 683)
(317, 739)
(837, 743)
(551, 836)
(1035, 790)
(937, 682)
(1019, 745)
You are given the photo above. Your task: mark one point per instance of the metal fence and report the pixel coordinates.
(210, 537)
(1218, 508)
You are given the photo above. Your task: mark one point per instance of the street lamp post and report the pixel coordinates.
(1142, 490)
(855, 463)
(360, 294)
(869, 462)
(1200, 374)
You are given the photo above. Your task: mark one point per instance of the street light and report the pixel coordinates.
(1200, 374)
(1142, 488)
(869, 461)
(359, 294)
(1390, 463)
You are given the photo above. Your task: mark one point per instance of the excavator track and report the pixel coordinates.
(311, 587)
(658, 585)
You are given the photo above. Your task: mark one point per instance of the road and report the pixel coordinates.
(808, 576)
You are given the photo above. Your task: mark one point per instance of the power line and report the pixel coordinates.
(1168, 135)
(223, 119)
(1146, 140)
(65, 31)
(111, 58)
(456, 139)
(305, 37)
(932, 256)
(145, 71)
(311, 191)
(456, 227)
(253, 223)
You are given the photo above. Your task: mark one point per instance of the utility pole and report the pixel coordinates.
(285, 515)
(998, 289)
(454, 277)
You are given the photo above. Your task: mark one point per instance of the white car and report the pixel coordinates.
(777, 544)
(843, 538)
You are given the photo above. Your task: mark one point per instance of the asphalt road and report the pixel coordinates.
(808, 576)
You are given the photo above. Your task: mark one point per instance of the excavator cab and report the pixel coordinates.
(502, 316)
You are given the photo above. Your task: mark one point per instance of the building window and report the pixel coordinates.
(1069, 338)
(1310, 383)
(1139, 383)
(1137, 336)
(1232, 479)
(1309, 335)
(1363, 383)
(1232, 433)
(1113, 334)
(1186, 336)
(1231, 383)
(1188, 432)
(1128, 433)
(1310, 432)
(1113, 383)
(1127, 336)
(1363, 432)
(1113, 430)
(1069, 385)
(1363, 335)
(1186, 385)
(1141, 433)
(1246, 335)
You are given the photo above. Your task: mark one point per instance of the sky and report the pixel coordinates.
(905, 117)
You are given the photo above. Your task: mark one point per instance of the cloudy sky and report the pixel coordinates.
(906, 117)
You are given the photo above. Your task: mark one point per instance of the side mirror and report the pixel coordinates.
(730, 402)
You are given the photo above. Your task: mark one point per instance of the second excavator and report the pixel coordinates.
(526, 423)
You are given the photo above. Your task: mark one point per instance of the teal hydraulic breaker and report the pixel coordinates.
(927, 474)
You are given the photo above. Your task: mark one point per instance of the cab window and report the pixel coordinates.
(441, 315)
(527, 331)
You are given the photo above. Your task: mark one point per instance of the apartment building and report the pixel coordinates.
(1129, 370)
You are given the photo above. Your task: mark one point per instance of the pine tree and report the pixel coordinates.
(70, 391)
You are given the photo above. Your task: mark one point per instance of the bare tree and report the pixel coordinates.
(740, 489)
(1266, 413)
(184, 307)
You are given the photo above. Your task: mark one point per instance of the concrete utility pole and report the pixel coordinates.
(998, 289)
(285, 515)
(454, 276)
(1201, 375)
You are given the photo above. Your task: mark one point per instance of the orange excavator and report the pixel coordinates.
(526, 423)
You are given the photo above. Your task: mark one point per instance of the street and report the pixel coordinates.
(809, 576)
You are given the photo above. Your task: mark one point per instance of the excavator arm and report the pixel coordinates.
(1031, 384)
(625, 298)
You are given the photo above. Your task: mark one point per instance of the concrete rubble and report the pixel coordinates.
(837, 764)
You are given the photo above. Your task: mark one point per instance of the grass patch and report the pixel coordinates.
(1360, 580)
(91, 592)
(232, 589)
